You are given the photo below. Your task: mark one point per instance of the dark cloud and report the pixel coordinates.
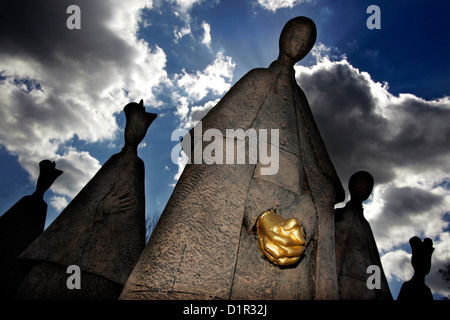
(37, 30)
(344, 109)
(57, 84)
(404, 205)
(424, 129)
(408, 201)
(401, 140)
(367, 128)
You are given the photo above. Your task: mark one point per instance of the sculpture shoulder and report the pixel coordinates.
(131, 158)
(339, 215)
(343, 215)
(240, 105)
(255, 78)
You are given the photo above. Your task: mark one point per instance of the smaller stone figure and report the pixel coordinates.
(416, 289)
(101, 231)
(20, 226)
(356, 248)
(281, 241)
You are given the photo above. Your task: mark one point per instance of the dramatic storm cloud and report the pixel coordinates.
(58, 84)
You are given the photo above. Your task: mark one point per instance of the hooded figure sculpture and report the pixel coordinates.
(102, 230)
(205, 244)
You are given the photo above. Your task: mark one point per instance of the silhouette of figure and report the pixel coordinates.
(356, 248)
(102, 230)
(20, 226)
(416, 289)
(205, 245)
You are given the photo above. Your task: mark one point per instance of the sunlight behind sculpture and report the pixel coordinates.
(281, 241)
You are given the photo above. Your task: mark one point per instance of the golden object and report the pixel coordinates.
(281, 241)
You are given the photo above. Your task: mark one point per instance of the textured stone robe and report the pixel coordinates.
(356, 250)
(105, 247)
(205, 247)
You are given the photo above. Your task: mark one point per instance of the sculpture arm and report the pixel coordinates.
(112, 203)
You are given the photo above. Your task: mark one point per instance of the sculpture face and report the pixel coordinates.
(138, 122)
(297, 38)
(360, 185)
(421, 255)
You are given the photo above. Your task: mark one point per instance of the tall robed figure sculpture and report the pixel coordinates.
(101, 231)
(206, 244)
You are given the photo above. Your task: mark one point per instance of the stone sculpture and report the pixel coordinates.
(205, 244)
(102, 230)
(416, 289)
(20, 226)
(356, 248)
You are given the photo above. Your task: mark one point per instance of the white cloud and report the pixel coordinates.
(59, 202)
(189, 117)
(215, 78)
(322, 52)
(180, 33)
(183, 7)
(125, 17)
(441, 257)
(73, 88)
(191, 88)
(401, 212)
(182, 161)
(397, 265)
(206, 34)
(79, 167)
(274, 5)
(198, 112)
(182, 106)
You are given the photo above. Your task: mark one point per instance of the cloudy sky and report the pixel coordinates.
(381, 97)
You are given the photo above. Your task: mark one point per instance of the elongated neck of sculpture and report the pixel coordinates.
(286, 60)
(129, 148)
(39, 193)
(419, 277)
(355, 204)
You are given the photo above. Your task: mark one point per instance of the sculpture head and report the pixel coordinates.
(137, 124)
(421, 255)
(360, 186)
(47, 175)
(297, 39)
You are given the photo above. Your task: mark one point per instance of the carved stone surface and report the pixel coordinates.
(102, 230)
(204, 245)
(356, 248)
(20, 226)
